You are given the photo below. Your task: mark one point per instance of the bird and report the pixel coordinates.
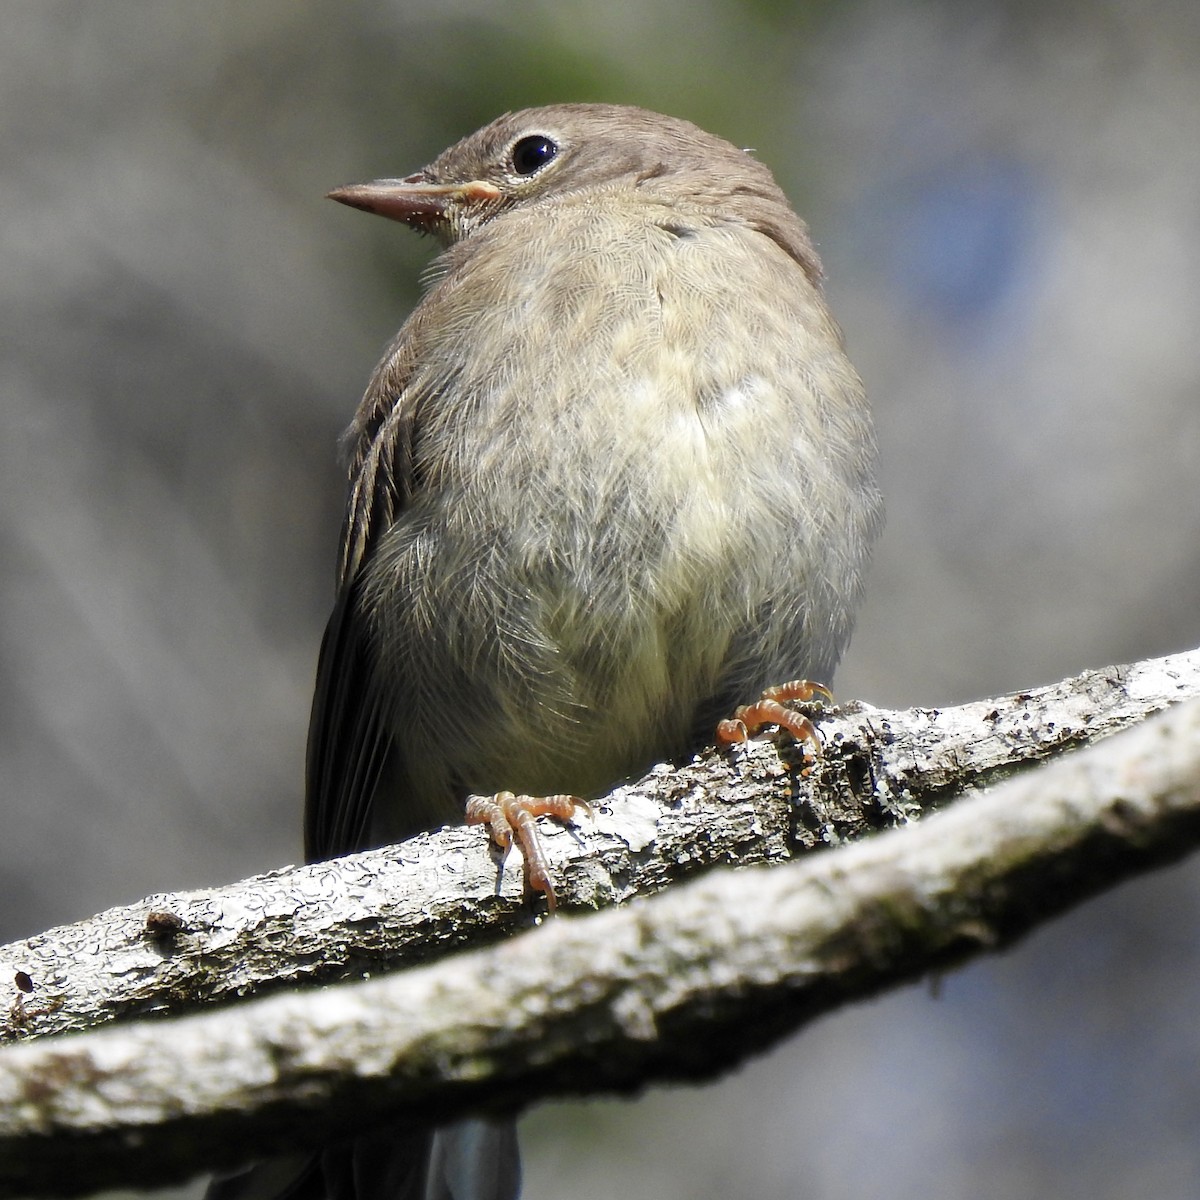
(614, 476)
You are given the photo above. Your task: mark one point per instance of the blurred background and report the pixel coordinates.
(1007, 199)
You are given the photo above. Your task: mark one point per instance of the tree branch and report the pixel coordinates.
(681, 986)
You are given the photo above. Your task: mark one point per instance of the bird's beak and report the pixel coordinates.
(415, 201)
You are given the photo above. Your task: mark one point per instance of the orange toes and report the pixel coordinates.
(748, 719)
(512, 817)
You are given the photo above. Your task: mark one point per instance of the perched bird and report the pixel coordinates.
(614, 475)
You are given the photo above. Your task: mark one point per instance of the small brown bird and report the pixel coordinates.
(614, 475)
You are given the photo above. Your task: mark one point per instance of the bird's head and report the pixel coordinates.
(541, 155)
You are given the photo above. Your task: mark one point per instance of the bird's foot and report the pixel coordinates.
(515, 817)
(769, 709)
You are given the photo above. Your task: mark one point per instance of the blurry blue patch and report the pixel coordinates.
(959, 237)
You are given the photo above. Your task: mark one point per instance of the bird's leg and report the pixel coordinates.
(769, 709)
(510, 816)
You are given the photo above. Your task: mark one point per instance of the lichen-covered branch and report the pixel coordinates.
(682, 985)
(679, 986)
(404, 904)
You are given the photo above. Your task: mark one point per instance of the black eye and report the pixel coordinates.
(530, 154)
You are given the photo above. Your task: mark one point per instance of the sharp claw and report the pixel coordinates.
(511, 817)
(769, 709)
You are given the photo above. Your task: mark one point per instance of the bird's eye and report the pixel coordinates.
(531, 154)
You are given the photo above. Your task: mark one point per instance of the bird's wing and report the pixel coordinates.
(349, 744)
(348, 741)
